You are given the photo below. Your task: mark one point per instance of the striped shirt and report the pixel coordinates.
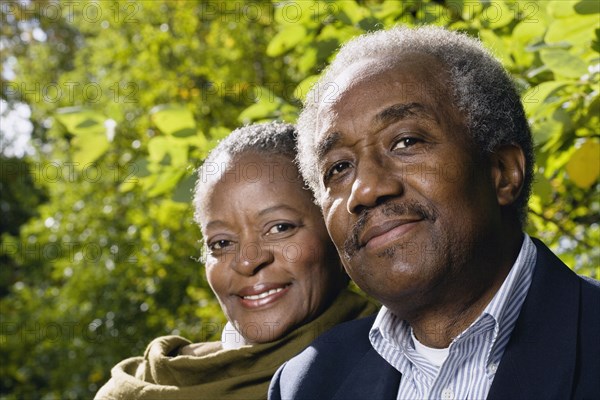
(473, 356)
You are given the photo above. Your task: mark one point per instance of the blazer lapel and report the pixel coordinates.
(539, 360)
(372, 378)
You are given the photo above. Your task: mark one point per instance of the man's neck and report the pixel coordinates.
(438, 323)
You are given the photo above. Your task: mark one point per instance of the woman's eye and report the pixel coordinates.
(219, 244)
(279, 228)
(336, 169)
(405, 143)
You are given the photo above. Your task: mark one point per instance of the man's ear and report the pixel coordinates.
(508, 173)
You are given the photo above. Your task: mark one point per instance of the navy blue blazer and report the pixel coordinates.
(553, 352)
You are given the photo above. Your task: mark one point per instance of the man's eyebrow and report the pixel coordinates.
(327, 143)
(399, 112)
(214, 223)
(389, 115)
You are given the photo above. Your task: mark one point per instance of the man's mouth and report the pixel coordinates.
(395, 220)
(380, 234)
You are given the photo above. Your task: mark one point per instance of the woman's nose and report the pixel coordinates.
(252, 257)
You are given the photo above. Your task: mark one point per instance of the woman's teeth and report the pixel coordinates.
(263, 294)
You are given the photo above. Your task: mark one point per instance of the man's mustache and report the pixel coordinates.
(387, 209)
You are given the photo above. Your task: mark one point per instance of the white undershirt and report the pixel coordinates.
(434, 356)
(231, 338)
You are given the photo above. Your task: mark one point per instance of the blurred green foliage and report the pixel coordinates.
(99, 251)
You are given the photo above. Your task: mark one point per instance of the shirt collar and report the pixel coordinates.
(510, 296)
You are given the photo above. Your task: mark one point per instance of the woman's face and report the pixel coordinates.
(269, 258)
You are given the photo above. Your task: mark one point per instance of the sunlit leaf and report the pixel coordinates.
(563, 63)
(258, 111)
(304, 87)
(525, 34)
(497, 45)
(285, 40)
(88, 147)
(353, 12)
(562, 8)
(576, 30)
(165, 181)
(168, 151)
(584, 166)
(172, 119)
(537, 96)
(542, 187)
(587, 7)
(183, 191)
(90, 141)
(496, 14)
(78, 120)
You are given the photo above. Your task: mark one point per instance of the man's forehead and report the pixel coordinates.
(409, 74)
(374, 96)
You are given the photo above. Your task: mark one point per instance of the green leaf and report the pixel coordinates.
(552, 127)
(286, 40)
(542, 188)
(539, 95)
(496, 14)
(165, 181)
(576, 30)
(563, 63)
(88, 147)
(434, 14)
(87, 126)
(261, 110)
(526, 34)
(168, 151)
(354, 12)
(497, 45)
(184, 190)
(389, 9)
(304, 87)
(587, 7)
(77, 120)
(173, 119)
(308, 13)
(562, 8)
(584, 165)
(308, 60)
(138, 169)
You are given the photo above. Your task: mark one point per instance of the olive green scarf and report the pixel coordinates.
(242, 373)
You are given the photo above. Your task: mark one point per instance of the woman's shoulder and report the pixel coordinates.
(166, 346)
(200, 349)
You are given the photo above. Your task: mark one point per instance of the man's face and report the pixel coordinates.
(407, 201)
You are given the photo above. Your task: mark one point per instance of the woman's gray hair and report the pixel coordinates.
(482, 89)
(272, 138)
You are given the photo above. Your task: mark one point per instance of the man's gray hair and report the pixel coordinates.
(482, 91)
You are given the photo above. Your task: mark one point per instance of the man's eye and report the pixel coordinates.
(279, 228)
(336, 169)
(405, 143)
(219, 244)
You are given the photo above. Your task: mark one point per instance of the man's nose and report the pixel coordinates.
(252, 257)
(374, 183)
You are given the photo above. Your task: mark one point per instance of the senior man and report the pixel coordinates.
(418, 150)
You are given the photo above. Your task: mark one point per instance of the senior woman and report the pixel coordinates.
(272, 266)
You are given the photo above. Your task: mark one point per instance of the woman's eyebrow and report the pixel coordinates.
(276, 208)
